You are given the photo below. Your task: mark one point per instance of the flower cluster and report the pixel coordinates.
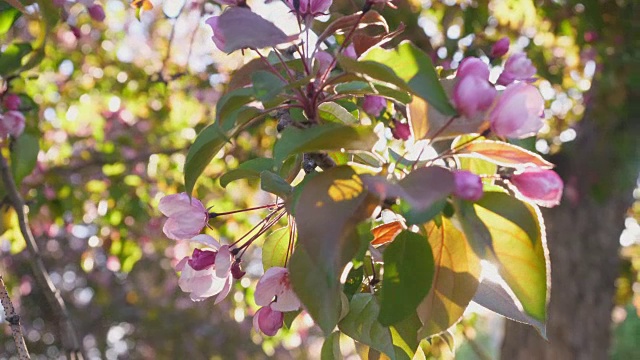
(211, 268)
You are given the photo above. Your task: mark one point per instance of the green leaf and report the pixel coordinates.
(323, 137)
(354, 281)
(362, 325)
(333, 112)
(457, 270)
(266, 85)
(24, 156)
(317, 287)
(405, 337)
(522, 263)
(407, 278)
(231, 102)
(275, 248)
(274, 184)
(475, 230)
(11, 57)
(210, 140)
(328, 209)
(415, 68)
(7, 18)
(331, 347)
(248, 169)
(494, 297)
(418, 217)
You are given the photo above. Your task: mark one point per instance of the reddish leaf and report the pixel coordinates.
(348, 22)
(242, 28)
(386, 233)
(503, 154)
(363, 41)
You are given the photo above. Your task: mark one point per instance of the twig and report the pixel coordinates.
(14, 320)
(70, 341)
(480, 352)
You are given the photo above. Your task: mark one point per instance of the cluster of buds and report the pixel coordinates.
(93, 8)
(12, 121)
(211, 268)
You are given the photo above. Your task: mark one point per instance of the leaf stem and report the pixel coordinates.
(215, 214)
(14, 321)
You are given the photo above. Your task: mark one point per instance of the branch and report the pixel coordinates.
(14, 320)
(70, 341)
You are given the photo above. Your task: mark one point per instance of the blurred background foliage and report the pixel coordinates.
(116, 104)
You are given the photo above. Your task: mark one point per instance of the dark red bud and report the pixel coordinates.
(236, 271)
(400, 131)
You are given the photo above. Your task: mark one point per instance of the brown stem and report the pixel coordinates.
(14, 320)
(70, 341)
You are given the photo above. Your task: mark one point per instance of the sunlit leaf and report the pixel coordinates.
(11, 57)
(475, 230)
(415, 68)
(407, 278)
(522, 263)
(275, 248)
(503, 154)
(494, 297)
(333, 112)
(362, 325)
(141, 5)
(386, 233)
(455, 279)
(324, 137)
(7, 18)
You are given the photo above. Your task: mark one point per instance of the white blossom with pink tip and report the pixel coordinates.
(275, 284)
(187, 216)
(207, 272)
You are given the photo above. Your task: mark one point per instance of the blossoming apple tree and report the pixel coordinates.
(399, 181)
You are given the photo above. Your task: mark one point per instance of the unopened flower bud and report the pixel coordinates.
(500, 48)
(544, 187)
(374, 105)
(473, 94)
(12, 102)
(400, 131)
(236, 271)
(472, 66)
(96, 12)
(467, 185)
(517, 67)
(518, 112)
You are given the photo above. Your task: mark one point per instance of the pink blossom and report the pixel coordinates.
(472, 66)
(518, 112)
(323, 61)
(186, 216)
(543, 187)
(96, 12)
(517, 67)
(12, 102)
(311, 8)
(202, 278)
(350, 52)
(467, 185)
(473, 94)
(374, 105)
(275, 283)
(500, 48)
(230, 2)
(218, 36)
(268, 321)
(11, 123)
(400, 131)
